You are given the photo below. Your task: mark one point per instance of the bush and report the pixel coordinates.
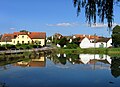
(71, 46)
(2, 48)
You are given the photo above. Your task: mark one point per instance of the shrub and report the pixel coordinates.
(71, 46)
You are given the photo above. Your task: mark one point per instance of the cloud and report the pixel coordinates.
(68, 24)
(65, 24)
(12, 28)
(101, 25)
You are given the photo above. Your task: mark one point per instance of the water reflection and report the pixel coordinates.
(81, 58)
(37, 61)
(96, 61)
(62, 70)
(92, 61)
(115, 66)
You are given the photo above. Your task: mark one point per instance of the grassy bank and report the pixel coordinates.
(109, 51)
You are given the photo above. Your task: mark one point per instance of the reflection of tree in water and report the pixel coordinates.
(115, 66)
(61, 59)
(73, 58)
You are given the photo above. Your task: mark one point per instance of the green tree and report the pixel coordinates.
(115, 64)
(116, 36)
(93, 8)
(63, 41)
(71, 46)
(76, 40)
(24, 31)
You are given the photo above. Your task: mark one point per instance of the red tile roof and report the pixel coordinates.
(103, 40)
(32, 35)
(88, 36)
(7, 38)
(37, 35)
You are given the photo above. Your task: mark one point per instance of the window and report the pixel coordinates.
(22, 42)
(15, 36)
(22, 36)
(28, 42)
(39, 42)
(14, 41)
(17, 42)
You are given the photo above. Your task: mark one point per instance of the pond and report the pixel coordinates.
(62, 70)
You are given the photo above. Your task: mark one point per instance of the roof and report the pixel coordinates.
(103, 40)
(7, 38)
(88, 36)
(37, 35)
(32, 35)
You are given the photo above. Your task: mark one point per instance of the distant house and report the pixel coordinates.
(91, 41)
(104, 42)
(85, 43)
(24, 38)
(101, 42)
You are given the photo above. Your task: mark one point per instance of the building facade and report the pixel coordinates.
(24, 38)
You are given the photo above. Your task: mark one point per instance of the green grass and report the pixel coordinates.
(109, 51)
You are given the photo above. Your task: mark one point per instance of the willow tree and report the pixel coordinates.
(93, 8)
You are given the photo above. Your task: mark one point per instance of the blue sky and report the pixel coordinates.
(50, 16)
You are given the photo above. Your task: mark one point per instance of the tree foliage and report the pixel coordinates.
(24, 31)
(116, 36)
(63, 41)
(76, 40)
(93, 8)
(115, 63)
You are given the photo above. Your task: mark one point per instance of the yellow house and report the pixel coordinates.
(24, 38)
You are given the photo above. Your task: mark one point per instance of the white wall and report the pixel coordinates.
(85, 43)
(3, 43)
(109, 43)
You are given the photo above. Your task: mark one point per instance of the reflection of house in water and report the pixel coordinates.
(41, 62)
(90, 58)
(96, 61)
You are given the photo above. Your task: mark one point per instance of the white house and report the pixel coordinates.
(101, 42)
(86, 43)
(104, 42)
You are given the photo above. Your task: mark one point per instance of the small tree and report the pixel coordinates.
(63, 41)
(76, 41)
(116, 36)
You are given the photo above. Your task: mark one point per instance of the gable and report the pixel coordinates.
(85, 40)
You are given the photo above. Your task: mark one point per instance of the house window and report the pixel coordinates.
(101, 45)
(39, 42)
(32, 42)
(28, 42)
(22, 42)
(22, 36)
(15, 36)
(14, 42)
(17, 42)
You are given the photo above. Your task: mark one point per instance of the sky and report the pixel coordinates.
(50, 16)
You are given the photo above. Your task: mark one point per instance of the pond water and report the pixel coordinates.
(61, 70)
